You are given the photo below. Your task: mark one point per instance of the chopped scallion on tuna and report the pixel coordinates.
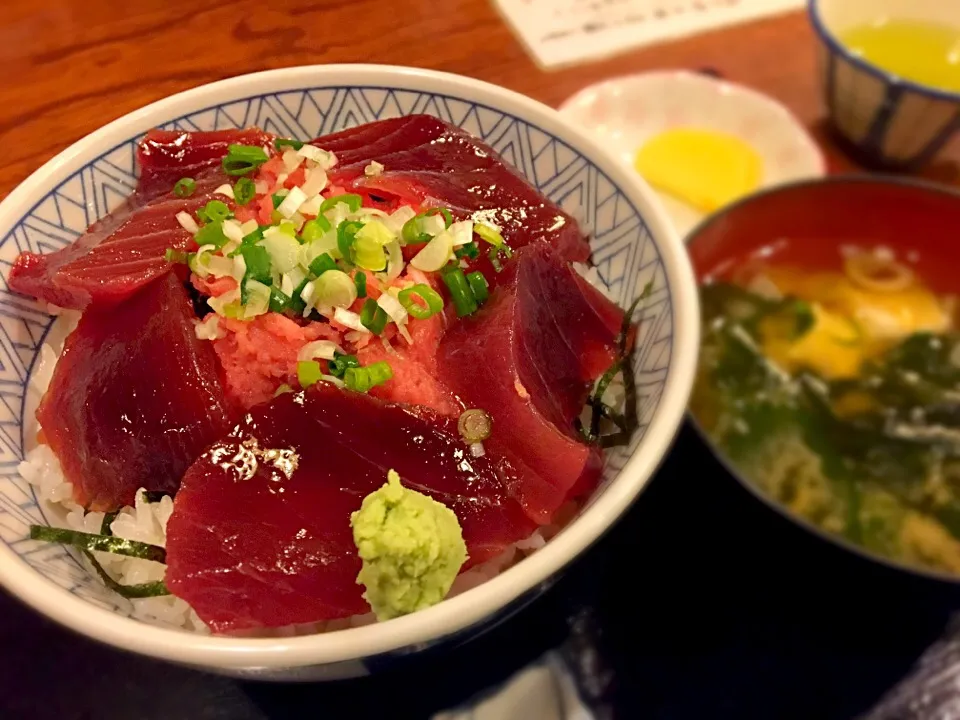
(308, 373)
(460, 292)
(281, 143)
(185, 187)
(373, 317)
(244, 190)
(243, 159)
(479, 287)
(322, 263)
(432, 302)
(362, 379)
(353, 202)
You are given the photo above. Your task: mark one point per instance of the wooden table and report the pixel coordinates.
(71, 66)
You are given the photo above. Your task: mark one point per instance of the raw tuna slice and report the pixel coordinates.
(268, 543)
(125, 250)
(528, 358)
(429, 161)
(134, 399)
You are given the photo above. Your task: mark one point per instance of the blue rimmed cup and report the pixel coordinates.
(886, 120)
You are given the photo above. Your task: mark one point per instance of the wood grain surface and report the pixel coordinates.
(70, 66)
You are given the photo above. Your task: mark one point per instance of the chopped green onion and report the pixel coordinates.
(494, 256)
(460, 292)
(215, 211)
(353, 202)
(360, 279)
(277, 200)
(211, 234)
(346, 236)
(322, 263)
(410, 233)
(176, 256)
(369, 254)
(244, 190)
(430, 297)
(257, 261)
(489, 234)
(341, 363)
(361, 379)
(279, 301)
(185, 187)
(373, 317)
(243, 159)
(315, 229)
(470, 250)
(474, 425)
(142, 590)
(254, 237)
(296, 301)
(100, 543)
(281, 143)
(447, 215)
(479, 287)
(334, 288)
(308, 373)
(282, 390)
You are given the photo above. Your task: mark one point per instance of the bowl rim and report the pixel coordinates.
(891, 78)
(728, 464)
(479, 603)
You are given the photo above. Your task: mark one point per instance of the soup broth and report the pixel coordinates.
(835, 389)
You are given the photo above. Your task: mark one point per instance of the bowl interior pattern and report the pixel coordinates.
(624, 252)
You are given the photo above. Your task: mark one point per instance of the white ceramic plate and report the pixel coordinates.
(625, 112)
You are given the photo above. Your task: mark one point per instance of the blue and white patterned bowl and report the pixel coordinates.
(632, 244)
(889, 122)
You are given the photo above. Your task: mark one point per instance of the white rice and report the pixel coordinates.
(147, 522)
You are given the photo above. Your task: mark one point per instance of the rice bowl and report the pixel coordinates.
(667, 374)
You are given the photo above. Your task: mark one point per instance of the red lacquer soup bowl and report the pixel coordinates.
(807, 225)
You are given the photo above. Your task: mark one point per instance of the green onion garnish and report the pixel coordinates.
(308, 373)
(100, 543)
(244, 190)
(243, 159)
(373, 317)
(213, 212)
(410, 233)
(361, 379)
(281, 143)
(369, 254)
(282, 390)
(447, 215)
(488, 233)
(279, 301)
(470, 250)
(185, 187)
(346, 236)
(142, 590)
(277, 200)
(341, 363)
(479, 287)
(176, 256)
(254, 237)
(211, 234)
(494, 255)
(315, 229)
(322, 263)
(460, 292)
(353, 202)
(257, 261)
(430, 297)
(296, 301)
(360, 280)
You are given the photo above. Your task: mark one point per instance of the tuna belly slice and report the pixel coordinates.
(528, 358)
(135, 398)
(260, 533)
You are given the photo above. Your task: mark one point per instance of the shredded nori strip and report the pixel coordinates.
(627, 422)
(144, 590)
(108, 519)
(101, 543)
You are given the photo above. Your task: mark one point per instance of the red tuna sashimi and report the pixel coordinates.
(125, 250)
(529, 357)
(167, 155)
(429, 161)
(261, 548)
(134, 399)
